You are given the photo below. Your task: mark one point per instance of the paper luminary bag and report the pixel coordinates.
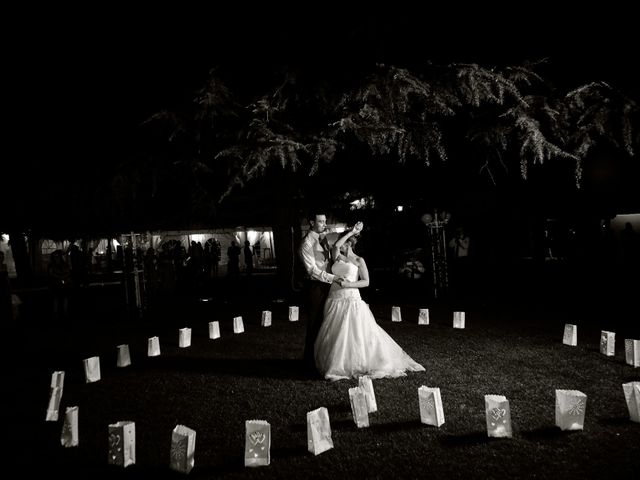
(55, 395)
(57, 380)
(423, 316)
(359, 409)
(632, 352)
(396, 314)
(184, 337)
(214, 330)
(458, 319)
(319, 431)
(124, 359)
(294, 314)
(92, 369)
(431, 412)
(153, 347)
(607, 343)
(69, 437)
(570, 409)
(183, 448)
(266, 318)
(632, 397)
(122, 443)
(257, 445)
(238, 325)
(366, 385)
(570, 335)
(498, 416)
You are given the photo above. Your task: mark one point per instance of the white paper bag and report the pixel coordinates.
(632, 396)
(266, 318)
(498, 416)
(124, 359)
(214, 330)
(431, 411)
(294, 314)
(69, 436)
(632, 352)
(458, 319)
(257, 445)
(238, 325)
(423, 316)
(570, 409)
(607, 343)
(183, 448)
(396, 314)
(57, 379)
(359, 409)
(184, 337)
(366, 385)
(153, 347)
(122, 443)
(570, 335)
(319, 431)
(55, 395)
(92, 369)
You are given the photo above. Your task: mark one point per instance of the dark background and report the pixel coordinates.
(82, 80)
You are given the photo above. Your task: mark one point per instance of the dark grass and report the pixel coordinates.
(215, 385)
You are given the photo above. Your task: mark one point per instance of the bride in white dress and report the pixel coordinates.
(350, 342)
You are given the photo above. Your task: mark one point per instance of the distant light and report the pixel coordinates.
(339, 229)
(399, 208)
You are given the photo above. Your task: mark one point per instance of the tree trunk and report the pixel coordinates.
(286, 239)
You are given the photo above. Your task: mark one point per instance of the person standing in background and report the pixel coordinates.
(248, 257)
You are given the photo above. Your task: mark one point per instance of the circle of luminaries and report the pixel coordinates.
(570, 405)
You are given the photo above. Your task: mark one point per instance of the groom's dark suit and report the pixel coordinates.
(315, 256)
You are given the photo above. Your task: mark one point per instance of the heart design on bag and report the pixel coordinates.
(257, 437)
(114, 443)
(497, 413)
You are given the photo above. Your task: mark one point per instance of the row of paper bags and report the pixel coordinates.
(570, 411)
(607, 344)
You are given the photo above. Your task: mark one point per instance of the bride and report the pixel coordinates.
(350, 342)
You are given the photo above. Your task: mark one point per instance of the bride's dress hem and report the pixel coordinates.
(350, 342)
(375, 375)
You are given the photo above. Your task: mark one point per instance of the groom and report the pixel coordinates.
(315, 255)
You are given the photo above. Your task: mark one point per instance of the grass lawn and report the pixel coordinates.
(215, 385)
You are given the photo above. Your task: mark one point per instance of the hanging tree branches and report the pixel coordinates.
(508, 113)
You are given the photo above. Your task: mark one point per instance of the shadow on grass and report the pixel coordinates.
(466, 440)
(615, 421)
(244, 367)
(545, 434)
(397, 426)
(282, 452)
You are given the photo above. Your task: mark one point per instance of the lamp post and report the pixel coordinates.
(435, 224)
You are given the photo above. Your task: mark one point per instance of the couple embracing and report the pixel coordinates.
(343, 339)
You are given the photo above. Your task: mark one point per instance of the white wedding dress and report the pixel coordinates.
(350, 343)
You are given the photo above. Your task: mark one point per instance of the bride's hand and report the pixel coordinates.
(357, 228)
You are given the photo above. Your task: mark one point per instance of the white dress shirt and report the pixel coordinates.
(315, 258)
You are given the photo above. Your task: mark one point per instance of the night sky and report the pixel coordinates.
(83, 80)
